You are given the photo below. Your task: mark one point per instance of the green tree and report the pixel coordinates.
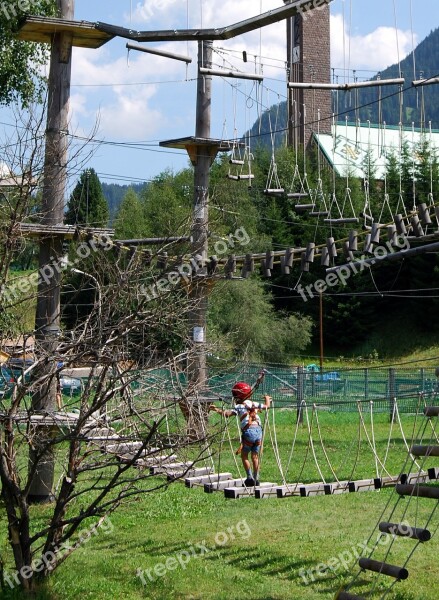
(129, 222)
(87, 204)
(242, 320)
(20, 66)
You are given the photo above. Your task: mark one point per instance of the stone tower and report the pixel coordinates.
(309, 60)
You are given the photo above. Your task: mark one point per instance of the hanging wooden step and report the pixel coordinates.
(241, 492)
(274, 192)
(400, 225)
(424, 214)
(304, 206)
(420, 491)
(164, 468)
(202, 479)
(341, 221)
(425, 450)
(156, 461)
(219, 486)
(416, 226)
(319, 213)
(266, 492)
(368, 564)
(235, 161)
(404, 530)
(196, 472)
(297, 195)
(233, 177)
(289, 490)
(431, 411)
(364, 485)
(245, 177)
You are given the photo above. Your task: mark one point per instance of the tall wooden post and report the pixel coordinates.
(48, 305)
(197, 359)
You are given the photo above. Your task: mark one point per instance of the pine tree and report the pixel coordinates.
(87, 204)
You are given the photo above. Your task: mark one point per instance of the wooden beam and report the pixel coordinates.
(222, 33)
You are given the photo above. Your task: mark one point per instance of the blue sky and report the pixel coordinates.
(145, 99)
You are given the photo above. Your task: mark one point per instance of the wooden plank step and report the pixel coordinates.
(420, 491)
(241, 492)
(169, 466)
(431, 411)
(390, 481)
(101, 433)
(338, 487)
(195, 472)
(219, 486)
(289, 490)
(425, 450)
(266, 492)
(405, 530)
(156, 460)
(129, 448)
(367, 564)
(419, 477)
(312, 489)
(364, 485)
(202, 479)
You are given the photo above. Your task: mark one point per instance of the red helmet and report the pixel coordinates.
(242, 390)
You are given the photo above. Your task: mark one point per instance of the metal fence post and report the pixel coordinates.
(300, 393)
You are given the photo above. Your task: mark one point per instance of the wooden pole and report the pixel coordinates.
(48, 303)
(197, 373)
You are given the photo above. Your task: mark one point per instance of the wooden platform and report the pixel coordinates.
(41, 29)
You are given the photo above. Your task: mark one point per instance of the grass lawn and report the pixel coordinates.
(192, 545)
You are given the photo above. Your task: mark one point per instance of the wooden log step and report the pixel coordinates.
(420, 491)
(365, 485)
(219, 486)
(210, 478)
(367, 564)
(233, 177)
(348, 596)
(246, 177)
(241, 491)
(100, 433)
(195, 472)
(169, 466)
(404, 530)
(431, 411)
(425, 450)
(234, 161)
(289, 490)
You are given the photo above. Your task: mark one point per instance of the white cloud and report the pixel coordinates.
(374, 51)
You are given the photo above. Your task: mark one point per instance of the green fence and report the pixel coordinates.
(338, 390)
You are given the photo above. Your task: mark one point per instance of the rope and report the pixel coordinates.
(323, 448)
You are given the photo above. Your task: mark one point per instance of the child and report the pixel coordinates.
(251, 427)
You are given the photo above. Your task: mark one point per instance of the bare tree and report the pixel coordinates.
(123, 434)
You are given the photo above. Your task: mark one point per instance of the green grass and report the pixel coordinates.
(276, 538)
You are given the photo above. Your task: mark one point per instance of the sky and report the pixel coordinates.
(138, 100)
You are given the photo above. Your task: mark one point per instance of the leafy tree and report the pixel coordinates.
(129, 222)
(243, 320)
(87, 204)
(20, 66)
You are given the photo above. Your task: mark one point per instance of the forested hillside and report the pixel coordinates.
(115, 192)
(419, 106)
